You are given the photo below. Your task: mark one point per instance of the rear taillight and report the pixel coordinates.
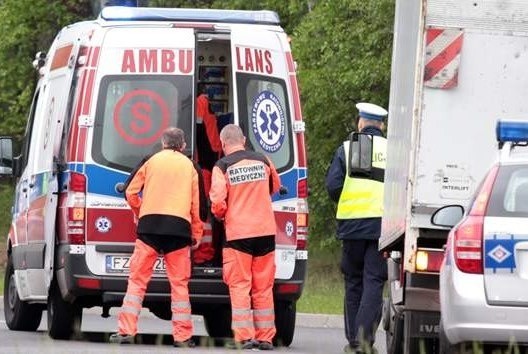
(429, 260)
(468, 245)
(302, 225)
(76, 204)
(468, 235)
(302, 188)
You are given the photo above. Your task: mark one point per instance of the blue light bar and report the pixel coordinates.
(514, 131)
(120, 13)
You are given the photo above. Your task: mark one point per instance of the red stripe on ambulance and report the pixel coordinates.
(296, 107)
(72, 143)
(95, 57)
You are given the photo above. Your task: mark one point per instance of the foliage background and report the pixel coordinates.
(342, 48)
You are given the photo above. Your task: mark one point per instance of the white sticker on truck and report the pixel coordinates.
(456, 183)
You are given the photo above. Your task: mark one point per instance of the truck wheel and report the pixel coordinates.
(285, 312)
(393, 324)
(64, 318)
(217, 321)
(19, 315)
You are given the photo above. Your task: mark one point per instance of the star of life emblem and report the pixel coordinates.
(268, 121)
(103, 224)
(289, 228)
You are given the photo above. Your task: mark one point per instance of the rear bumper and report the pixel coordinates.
(466, 316)
(205, 287)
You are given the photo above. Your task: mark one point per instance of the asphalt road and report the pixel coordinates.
(314, 334)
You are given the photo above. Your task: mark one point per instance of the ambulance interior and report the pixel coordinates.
(214, 79)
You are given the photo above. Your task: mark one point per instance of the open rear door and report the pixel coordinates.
(263, 111)
(42, 169)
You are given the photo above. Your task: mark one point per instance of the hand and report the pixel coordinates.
(195, 243)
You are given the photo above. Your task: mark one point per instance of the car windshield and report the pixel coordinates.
(133, 111)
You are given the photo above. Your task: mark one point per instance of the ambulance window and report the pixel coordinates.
(24, 154)
(132, 112)
(265, 117)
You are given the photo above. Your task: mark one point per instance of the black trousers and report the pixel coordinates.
(365, 273)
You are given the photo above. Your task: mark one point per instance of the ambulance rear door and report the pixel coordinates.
(44, 150)
(263, 110)
(144, 84)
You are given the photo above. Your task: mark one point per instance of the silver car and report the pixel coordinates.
(484, 275)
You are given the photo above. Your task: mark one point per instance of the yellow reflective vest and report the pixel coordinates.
(363, 197)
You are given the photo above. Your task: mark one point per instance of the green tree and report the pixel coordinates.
(28, 26)
(343, 51)
(290, 12)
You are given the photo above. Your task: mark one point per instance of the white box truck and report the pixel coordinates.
(457, 67)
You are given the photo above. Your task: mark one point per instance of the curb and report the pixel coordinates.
(309, 320)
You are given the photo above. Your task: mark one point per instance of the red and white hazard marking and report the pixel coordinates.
(442, 57)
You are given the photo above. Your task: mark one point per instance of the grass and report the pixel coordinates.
(324, 289)
(6, 198)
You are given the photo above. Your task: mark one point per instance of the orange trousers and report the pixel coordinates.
(205, 251)
(178, 264)
(250, 282)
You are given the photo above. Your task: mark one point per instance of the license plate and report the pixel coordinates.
(121, 264)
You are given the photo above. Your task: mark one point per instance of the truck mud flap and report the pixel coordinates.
(423, 324)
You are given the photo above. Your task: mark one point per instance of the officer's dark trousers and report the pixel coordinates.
(365, 272)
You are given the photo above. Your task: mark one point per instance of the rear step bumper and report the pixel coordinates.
(205, 287)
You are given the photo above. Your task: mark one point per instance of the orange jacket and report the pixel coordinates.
(241, 189)
(209, 120)
(170, 201)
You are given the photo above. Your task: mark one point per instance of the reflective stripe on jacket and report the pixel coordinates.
(363, 197)
(242, 185)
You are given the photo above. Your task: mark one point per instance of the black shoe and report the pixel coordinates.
(265, 346)
(121, 338)
(245, 344)
(189, 343)
(355, 349)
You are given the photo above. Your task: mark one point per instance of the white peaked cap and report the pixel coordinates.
(371, 111)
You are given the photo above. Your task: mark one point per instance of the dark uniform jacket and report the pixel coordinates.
(351, 229)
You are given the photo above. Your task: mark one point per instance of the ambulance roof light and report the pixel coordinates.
(512, 131)
(121, 13)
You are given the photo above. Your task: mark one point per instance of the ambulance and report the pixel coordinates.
(107, 90)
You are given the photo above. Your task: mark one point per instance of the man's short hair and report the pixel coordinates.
(231, 134)
(173, 138)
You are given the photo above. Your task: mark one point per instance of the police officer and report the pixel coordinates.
(359, 212)
(168, 223)
(242, 185)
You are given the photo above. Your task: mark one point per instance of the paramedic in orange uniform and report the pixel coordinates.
(168, 223)
(208, 148)
(242, 185)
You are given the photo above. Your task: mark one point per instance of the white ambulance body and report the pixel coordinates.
(108, 88)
